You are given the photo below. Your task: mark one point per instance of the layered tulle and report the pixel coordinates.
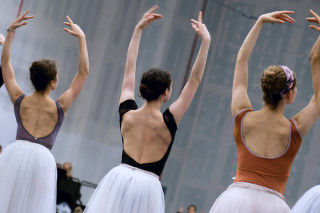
(28, 178)
(127, 189)
(249, 198)
(309, 202)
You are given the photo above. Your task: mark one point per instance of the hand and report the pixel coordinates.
(149, 17)
(75, 29)
(277, 17)
(200, 28)
(315, 19)
(1, 39)
(181, 210)
(18, 22)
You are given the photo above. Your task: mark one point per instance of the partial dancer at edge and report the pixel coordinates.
(28, 174)
(266, 141)
(1, 43)
(147, 134)
(310, 201)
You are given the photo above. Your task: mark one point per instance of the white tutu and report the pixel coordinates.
(127, 189)
(28, 179)
(250, 198)
(309, 202)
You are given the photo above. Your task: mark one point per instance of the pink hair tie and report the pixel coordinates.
(289, 80)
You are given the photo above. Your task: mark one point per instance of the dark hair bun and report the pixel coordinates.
(42, 72)
(154, 83)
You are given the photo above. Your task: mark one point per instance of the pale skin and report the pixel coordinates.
(266, 132)
(38, 111)
(146, 136)
(1, 39)
(315, 57)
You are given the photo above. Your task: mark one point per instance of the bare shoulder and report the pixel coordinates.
(40, 105)
(268, 122)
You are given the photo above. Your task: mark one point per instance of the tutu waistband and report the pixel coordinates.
(41, 144)
(30, 143)
(141, 170)
(256, 187)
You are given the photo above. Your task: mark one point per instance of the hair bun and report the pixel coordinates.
(42, 72)
(147, 93)
(273, 81)
(154, 83)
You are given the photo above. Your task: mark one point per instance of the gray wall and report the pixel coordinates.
(203, 159)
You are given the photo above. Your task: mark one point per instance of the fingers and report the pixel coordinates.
(286, 12)
(312, 19)
(315, 27)
(275, 20)
(25, 13)
(28, 17)
(288, 18)
(194, 26)
(314, 14)
(69, 19)
(315, 19)
(200, 17)
(152, 9)
(67, 30)
(24, 17)
(194, 21)
(153, 18)
(156, 15)
(67, 23)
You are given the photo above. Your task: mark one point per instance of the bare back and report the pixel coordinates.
(266, 135)
(146, 138)
(39, 116)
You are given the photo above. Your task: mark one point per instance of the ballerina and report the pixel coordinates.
(266, 141)
(147, 134)
(310, 200)
(28, 170)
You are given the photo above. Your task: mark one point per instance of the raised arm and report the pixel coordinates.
(1, 43)
(68, 97)
(315, 58)
(2, 39)
(180, 106)
(127, 90)
(309, 115)
(9, 78)
(240, 99)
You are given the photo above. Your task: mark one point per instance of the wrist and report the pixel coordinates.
(10, 29)
(261, 20)
(82, 37)
(139, 28)
(206, 39)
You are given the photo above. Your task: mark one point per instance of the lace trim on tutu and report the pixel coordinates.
(256, 187)
(144, 171)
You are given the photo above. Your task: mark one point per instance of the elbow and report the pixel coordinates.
(84, 71)
(240, 58)
(197, 81)
(314, 58)
(4, 59)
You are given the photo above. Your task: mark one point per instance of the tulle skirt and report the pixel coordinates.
(28, 179)
(250, 198)
(126, 189)
(309, 202)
